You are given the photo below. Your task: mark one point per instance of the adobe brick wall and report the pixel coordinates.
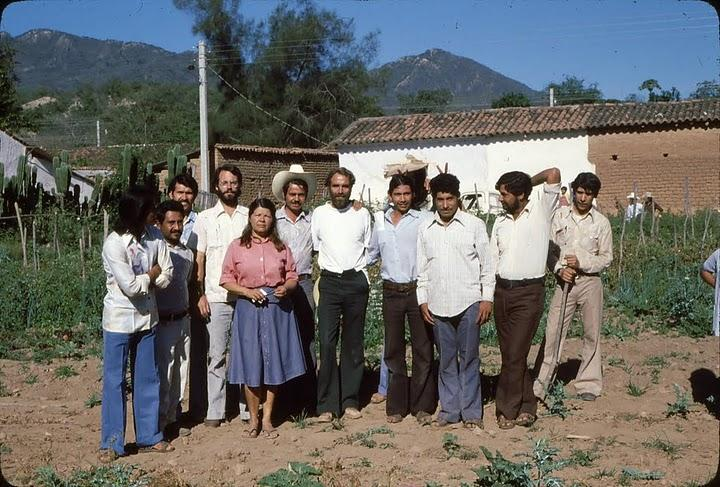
(258, 169)
(659, 160)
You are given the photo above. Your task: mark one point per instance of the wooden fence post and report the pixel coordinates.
(36, 263)
(23, 234)
(106, 224)
(82, 258)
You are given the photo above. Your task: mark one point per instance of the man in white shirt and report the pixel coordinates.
(519, 246)
(172, 343)
(634, 208)
(216, 227)
(341, 236)
(455, 293)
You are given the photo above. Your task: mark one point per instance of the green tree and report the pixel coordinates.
(572, 91)
(511, 99)
(425, 101)
(303, 65)
(11, 116)
(664, 95)
(706, 89)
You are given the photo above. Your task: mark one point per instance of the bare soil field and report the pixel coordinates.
(49, 418)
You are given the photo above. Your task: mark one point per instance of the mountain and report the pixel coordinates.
(56, 60)
(471, 83)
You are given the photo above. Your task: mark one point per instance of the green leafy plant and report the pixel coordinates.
(635, 390)
(300, 421)
(656, 361)
(603, 473)
(555, 400)
(666, 446)
(537, 471)
(296, 474)
(454, 449)
(629, 474)
(681, 406)
(365, 438)
(65, 372)
(116, 475)
(93, 400)
(583, 458)
(31, 379)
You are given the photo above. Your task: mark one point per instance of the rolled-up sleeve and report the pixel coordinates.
(711, 263)
(116, 258)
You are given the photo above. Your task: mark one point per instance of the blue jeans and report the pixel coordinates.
(458, 340)
(146, 389)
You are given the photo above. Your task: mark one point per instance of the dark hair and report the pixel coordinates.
(516, 183)
(401, 180)
(246, 237)
(186, 180)
(133, 209)
(343, 172)
(229, 168)
(445, 183)
(587, 181)
(297, 181)
(165, 206)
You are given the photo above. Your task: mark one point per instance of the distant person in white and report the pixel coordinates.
(136, 261)
(341, 236)
(216, 227)
(634, 208)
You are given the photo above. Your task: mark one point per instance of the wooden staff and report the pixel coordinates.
(106, 224)
(56, 242)
(82, 258)
(36, 263)
(22, 235)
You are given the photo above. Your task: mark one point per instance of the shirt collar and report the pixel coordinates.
(411, 212)
(281, 214)
(459, 217)
(219, 209)
(191, 216)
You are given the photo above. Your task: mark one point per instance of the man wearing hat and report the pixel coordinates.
(294, 187)
(634, 208)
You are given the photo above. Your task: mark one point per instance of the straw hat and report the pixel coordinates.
(296, 171)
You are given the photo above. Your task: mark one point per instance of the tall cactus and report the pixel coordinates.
(96, 198)
(63, 173)
(2, 187)
(176, 163)
(128, 166)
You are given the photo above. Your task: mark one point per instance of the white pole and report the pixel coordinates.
(204, 162)
(552, 97)
(97, 131)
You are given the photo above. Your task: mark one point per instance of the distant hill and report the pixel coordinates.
(471, 83)
(56, 60)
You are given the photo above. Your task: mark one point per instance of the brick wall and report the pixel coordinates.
(258, 169)
(659, 160)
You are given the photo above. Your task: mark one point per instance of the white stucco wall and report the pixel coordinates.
(478, 161)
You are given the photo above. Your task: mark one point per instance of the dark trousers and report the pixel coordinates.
(197, 373)
(408, 394)
(517, 315)
(343, 296)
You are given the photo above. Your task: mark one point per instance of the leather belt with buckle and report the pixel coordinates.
(174, 316)
(513, 283)
(400, 287)
(304, 277)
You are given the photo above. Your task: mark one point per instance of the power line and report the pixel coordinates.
(258, 107)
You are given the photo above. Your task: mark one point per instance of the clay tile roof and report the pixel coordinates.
(530, 120)
(276, 150)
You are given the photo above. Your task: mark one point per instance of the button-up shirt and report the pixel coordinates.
(454, 265)
(260, 265)
(712, 265)
(633, 211)
(396, 245)
(588, 237)
(341, 237)
(298, 236)
(188, 237)
(129, 305)
(520, 246)
(215, 230)
(174, 298)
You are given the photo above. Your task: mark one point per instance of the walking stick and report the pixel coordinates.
(561, 321)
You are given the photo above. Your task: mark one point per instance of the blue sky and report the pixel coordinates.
(616, 43)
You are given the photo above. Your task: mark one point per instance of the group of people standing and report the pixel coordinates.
(241, 278)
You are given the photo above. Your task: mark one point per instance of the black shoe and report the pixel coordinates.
(588, 396)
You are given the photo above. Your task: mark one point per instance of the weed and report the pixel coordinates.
(4, 392)
(655, 376)
(300, 421)
(501, 471)
(602, 473)
(665, 446)
(337, 424)
(655, 361)
(117, 475)
(616, 361)
(555, 400)
(434, 484)
(65, 372)
(31, 379)
(627, 416)
(4, 449)
(583, 458)
(366, 438)
(454, 449)
(363, 462)
(93, 400)
(681, 406)
(635, 390)
(629, 474)
(315, 453)
(296, 474)
(680, 355)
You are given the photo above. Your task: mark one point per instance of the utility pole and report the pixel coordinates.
(97, 132)
(552, 96)
(204, 162)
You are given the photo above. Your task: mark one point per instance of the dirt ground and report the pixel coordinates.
(45, 421)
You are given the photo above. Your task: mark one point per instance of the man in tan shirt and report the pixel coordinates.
(584, 239)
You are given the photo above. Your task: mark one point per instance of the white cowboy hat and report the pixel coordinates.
(631, 196)
(295, 172)
(410, 164)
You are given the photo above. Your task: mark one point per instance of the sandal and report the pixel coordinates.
(159, 447)
(474, 423)
(107, 455)
(270, 434)
(253, 431)
(504, 423)
(525, 419)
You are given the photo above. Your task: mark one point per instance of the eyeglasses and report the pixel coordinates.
(228, 184)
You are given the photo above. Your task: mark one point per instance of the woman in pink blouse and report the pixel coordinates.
(265, 348)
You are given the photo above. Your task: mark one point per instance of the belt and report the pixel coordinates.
(401, 287)
(304, 277)
(512, 283)
(174, 316)
(347, 273)
(589, 274)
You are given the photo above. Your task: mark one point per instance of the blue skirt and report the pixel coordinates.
(265, 346)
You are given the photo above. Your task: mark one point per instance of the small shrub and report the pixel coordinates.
(666, 446)
(65, 372)
(681, 406)
(655, 376)
(630, 474)
(296, 474)
(31, 379)
(616, 361)
(603, 473)
(655, 361)
(454, 449)
(364, 463)
(93, 400)
(555, 400)
(300, 421)
(117, 475)
(366, 438)
(583, 458)
(635, 390)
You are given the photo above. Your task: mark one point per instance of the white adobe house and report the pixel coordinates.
(11, 148)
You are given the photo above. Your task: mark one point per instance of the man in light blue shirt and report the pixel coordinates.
(394, 240)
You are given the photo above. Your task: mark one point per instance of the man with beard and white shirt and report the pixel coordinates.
(216, 227)
(341, 236)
